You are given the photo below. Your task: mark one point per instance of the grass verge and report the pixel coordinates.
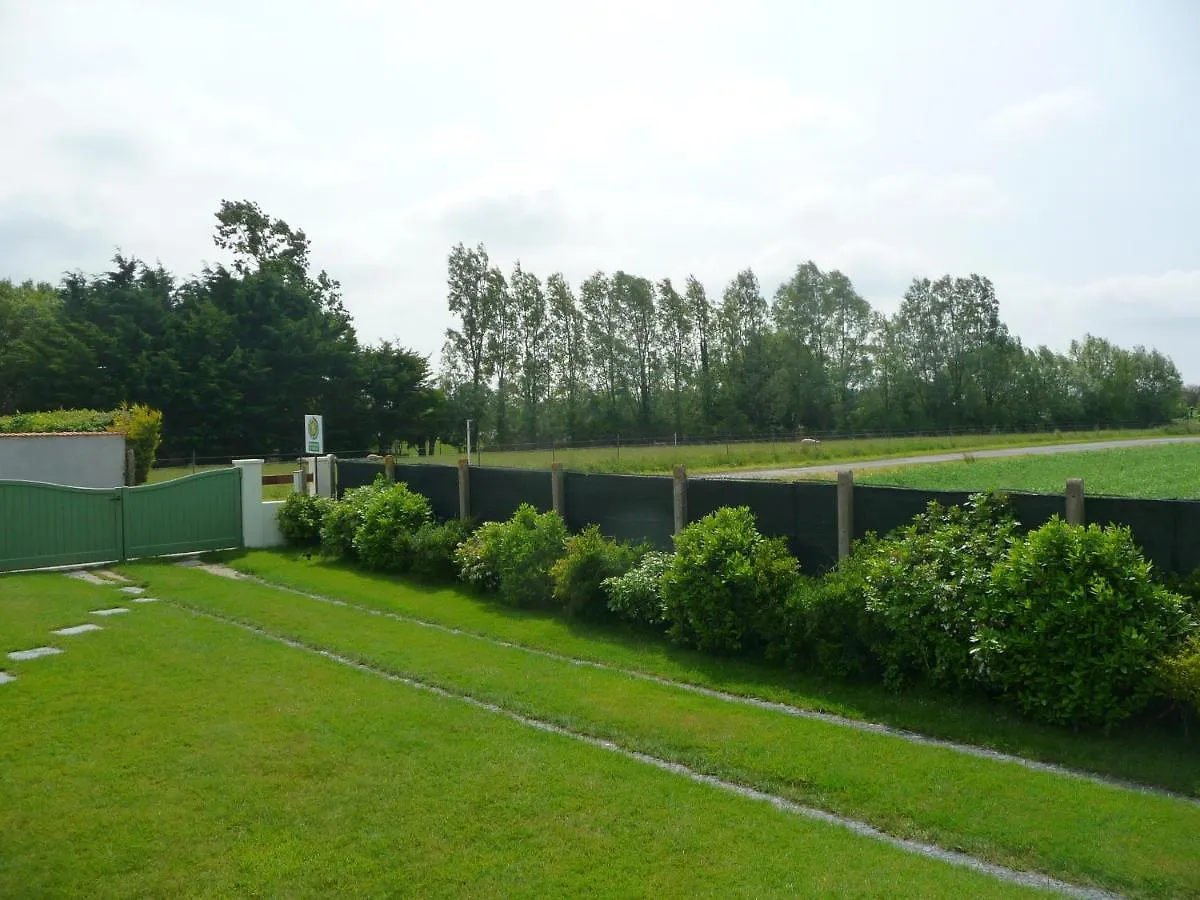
(175, 756)
(1163, 472)
(768, 454)
(1067, 828)
(1138, 753)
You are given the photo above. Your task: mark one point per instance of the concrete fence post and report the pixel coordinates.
(680, 495)
(845, 512)
(252, 502)
(326, 473)
(1075, 510)
(389, 468)
(558, 495)
(464, 488)
(130, 468)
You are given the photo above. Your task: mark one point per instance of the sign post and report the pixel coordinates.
(314, 443)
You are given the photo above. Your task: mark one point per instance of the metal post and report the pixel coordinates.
(845, 512)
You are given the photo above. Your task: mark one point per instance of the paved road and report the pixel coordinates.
(859, 465)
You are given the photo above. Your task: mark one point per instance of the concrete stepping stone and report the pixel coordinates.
(113, 611)
(89, 577)
(78, 629)
(146, 599)
(112, 576)
(133, 590)
(5, 678)
(35, 653)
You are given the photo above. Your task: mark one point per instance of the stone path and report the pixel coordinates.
(78, 629)
(5, 678)
(35, 653)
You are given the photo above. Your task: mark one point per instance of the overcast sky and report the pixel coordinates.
(1050, 146)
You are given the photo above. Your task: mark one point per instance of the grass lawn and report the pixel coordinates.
(1168, 471)
(171, 755)
(1139, 752)
(767, 454)
(270, 491)
(1069, 828)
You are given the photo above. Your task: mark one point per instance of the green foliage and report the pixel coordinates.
(343, 519)
(390, 518)
(824, 625)
(515, 557)
(924, 584)
(141, 425)
(726, 582)
(1075, 626)
(478, 557)
(589, 560)
(301, 517)
(637, 595)
(432, 547)
(1180, 674)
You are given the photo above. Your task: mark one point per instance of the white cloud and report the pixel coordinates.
(1042, 114)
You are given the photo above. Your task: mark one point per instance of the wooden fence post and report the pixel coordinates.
(1075, 511)
(680, 495)
(558, 496)
(464, 488)
(389, 468)
(845, 512)
(130, 468)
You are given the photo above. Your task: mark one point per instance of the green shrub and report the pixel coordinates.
(637, 595)
(924, 584)
(300, 519)
(825, 625)
(390, 518)
(1188, 587)
(1074, 626)
(589, 559)
(726, 582)
(343, 518)
(1180, 675)
(141, 425)
(515, 557)
(432, 547)
(478, 557)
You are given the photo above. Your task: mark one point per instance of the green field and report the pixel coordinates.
(768, 454)
(270, 491)
(178, 753)
(1165, 472)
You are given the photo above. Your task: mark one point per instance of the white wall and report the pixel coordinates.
(78, 460)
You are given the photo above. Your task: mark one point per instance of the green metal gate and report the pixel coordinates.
(44, 525)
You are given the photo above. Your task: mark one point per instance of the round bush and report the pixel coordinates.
(726, 583)
(343, 518)
(301, 517)
(389, 519)
(1074, 625)
(515, 557)
(637, 595)
(589, 559)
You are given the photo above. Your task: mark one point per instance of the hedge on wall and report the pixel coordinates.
(141, 425)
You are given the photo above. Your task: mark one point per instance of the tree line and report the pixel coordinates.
(234, 357)
(531, 360)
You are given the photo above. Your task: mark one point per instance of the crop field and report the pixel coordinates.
(662, 458)
(1165, 472)
(237, 736)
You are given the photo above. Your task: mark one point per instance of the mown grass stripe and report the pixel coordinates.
(772, 705)
(1003, 873)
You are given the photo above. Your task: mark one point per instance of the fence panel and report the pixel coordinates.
(438, 483)
(881, 509)
(627, 507)
(496, 493)
(187, 515)
(1152, 522)
(816, 525)
(45, 525)
(352, 473)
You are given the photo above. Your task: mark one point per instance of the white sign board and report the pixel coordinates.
(314, 434)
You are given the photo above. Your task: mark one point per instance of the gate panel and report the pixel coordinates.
(187, 515)
(53, 525)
